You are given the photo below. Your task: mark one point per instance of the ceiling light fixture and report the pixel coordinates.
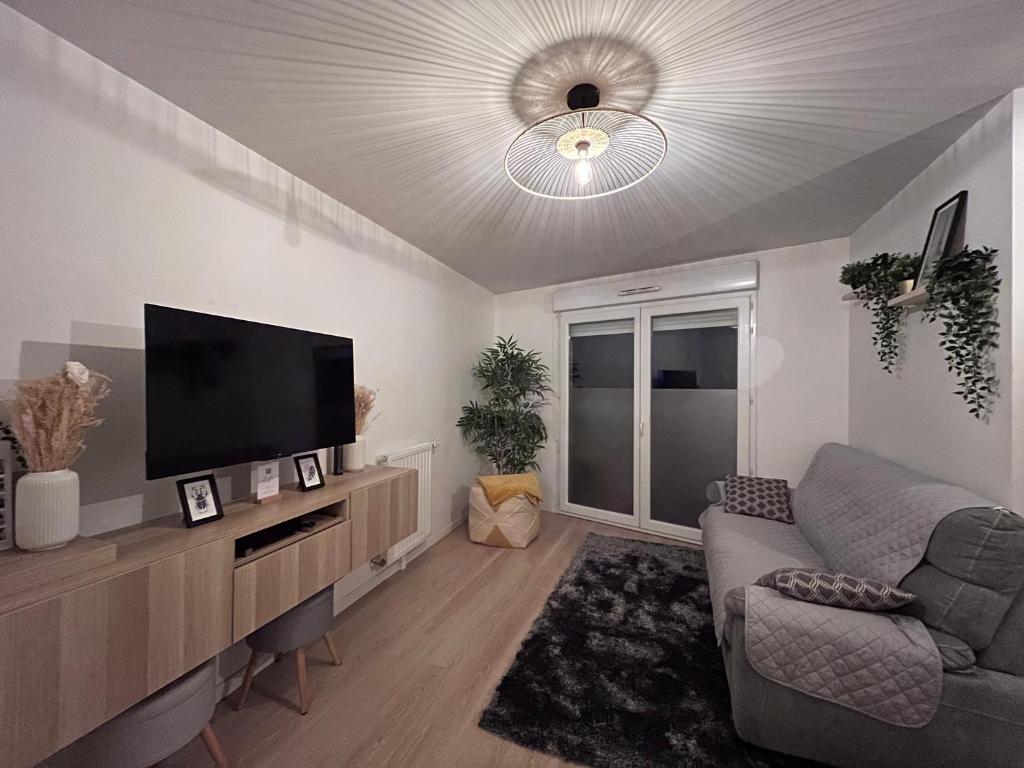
(586, 152)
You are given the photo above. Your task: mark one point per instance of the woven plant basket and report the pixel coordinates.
(514, 523)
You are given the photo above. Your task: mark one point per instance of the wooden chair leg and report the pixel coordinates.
(250, 670)
(213, 745)
(329, 642)
(300, 672)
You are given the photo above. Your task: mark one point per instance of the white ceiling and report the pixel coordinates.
(788, 121)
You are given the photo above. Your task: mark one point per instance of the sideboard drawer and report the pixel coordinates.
(267, 587)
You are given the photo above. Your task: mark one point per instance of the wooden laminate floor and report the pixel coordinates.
(422, 655)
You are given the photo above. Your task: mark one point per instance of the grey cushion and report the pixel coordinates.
(297, 628)
(813, 585)
(956, 655)
(766, 497)
(155, 728)
(739, 549)
(973, 571)
(1006, 653)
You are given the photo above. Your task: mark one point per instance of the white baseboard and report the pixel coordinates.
(232, 680)
(687, 539)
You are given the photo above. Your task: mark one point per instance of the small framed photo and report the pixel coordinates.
(942, 234)
(307, 466)
(200, 502)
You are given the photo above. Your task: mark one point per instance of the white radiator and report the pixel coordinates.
(419, 458)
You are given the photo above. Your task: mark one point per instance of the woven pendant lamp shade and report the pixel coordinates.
(635, 147)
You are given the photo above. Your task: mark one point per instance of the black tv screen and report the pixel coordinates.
(221, 391)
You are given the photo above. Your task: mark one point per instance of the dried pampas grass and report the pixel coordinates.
(49, 416)
(366, 401)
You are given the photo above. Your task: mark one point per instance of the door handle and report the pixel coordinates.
(643, 427)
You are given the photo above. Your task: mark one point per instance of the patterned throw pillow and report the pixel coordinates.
(836, 589)
(766, 497)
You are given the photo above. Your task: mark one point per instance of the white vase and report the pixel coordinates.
(46, 509)
(354, 455)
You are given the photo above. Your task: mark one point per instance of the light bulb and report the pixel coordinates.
(583, 172)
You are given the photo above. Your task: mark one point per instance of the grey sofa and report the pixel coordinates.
(964, 559)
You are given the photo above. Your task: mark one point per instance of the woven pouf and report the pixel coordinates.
(514, 523)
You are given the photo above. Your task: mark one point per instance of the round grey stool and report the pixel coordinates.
(307, 622)
(156, 727)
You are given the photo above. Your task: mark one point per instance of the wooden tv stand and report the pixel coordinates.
(86, 634)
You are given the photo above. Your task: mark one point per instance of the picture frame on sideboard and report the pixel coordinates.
(200, 501)
(309, 472)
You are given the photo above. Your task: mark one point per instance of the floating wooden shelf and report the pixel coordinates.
(319, 521)
(916, 297)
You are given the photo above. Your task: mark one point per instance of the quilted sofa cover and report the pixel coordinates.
(885, 666)
(979, 719)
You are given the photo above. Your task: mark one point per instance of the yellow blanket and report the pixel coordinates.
(499, 488)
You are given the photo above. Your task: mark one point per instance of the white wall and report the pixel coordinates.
(110, 196)
(802, 354)
(914, 417)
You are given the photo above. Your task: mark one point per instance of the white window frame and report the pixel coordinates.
(642, 315)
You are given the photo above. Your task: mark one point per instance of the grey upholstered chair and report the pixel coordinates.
(307, 622)
(157, 727)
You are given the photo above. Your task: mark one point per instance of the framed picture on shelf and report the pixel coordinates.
(307, 467)
(943, 233)
(200, 502)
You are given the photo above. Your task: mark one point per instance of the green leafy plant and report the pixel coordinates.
(875, 281)
(508, 430)
(962, 293)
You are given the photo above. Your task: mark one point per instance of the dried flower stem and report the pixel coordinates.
(366, 401)
(49, 416)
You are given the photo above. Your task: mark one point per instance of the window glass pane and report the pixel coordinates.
(601, 418)
(693, 411)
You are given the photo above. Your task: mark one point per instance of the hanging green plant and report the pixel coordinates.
(875, 281)
(962, 293)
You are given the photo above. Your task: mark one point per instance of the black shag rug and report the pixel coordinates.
(621, 668)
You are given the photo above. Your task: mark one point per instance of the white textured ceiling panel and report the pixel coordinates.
(787, 120)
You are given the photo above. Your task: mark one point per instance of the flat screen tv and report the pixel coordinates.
(221, 391)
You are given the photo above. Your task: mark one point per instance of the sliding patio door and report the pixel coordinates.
(657, 404)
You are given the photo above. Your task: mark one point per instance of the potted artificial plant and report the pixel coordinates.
(49, 417)
(508, 431)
